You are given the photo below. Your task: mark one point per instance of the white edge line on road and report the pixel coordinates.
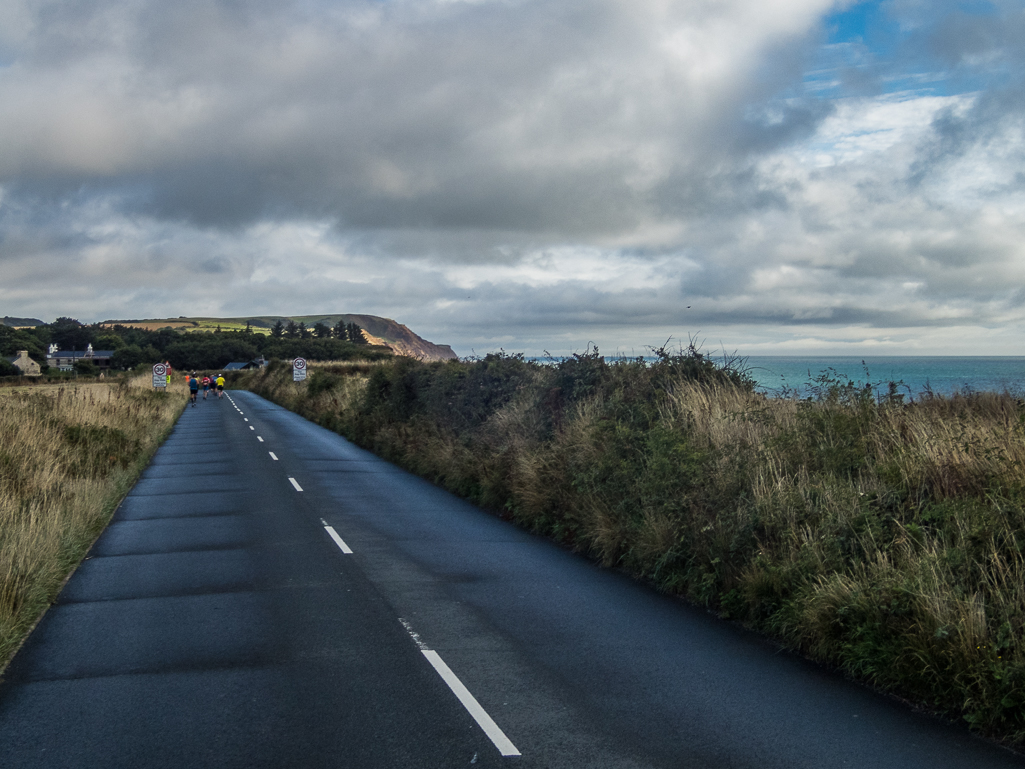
(275, 458)
(296, 484)
(251, 427)
(246, 419)
(480, 715)
(338, 540)
(259, 439)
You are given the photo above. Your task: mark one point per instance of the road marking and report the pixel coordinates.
(480, 715)
(296, 484)
(414, 635)
(338, 540)
(251, 427)
(275, 458)
(259, 439)
(246, 419)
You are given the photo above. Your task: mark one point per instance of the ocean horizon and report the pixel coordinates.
(914, 375)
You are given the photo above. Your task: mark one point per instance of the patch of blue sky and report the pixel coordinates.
(867, 23)
(882, 47)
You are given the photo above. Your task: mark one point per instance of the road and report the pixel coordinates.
(270, 595)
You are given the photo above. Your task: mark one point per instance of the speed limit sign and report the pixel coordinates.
(160, 375)
(298, 369)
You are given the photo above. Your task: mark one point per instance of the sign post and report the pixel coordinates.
(160, 376)
(298, 369)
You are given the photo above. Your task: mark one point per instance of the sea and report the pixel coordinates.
(913, 375)
(804, 375)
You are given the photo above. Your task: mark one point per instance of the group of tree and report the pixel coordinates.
(196, 350)
(342, 331)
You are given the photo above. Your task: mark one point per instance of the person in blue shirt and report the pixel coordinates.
(193, 388)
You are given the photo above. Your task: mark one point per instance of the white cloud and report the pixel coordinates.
(532, 173)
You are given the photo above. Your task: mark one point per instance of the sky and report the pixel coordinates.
(768, 177)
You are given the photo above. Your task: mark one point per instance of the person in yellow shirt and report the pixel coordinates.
(220, 385)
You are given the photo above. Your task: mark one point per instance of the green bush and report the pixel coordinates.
(879, 535)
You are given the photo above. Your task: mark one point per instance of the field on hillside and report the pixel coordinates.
(192, 324)
(68, 454)
(376, 331)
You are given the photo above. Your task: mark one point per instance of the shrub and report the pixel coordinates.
(880, 535)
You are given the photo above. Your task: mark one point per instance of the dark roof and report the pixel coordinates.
(236, 366)
(81, 354)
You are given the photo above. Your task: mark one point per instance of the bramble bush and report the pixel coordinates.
(879, 534)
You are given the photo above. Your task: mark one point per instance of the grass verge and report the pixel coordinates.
(882, 536)
(68, 455)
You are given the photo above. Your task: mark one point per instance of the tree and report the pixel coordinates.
(304, 333)
(14, 339)
(321, 331)
(87, 368)
(109, 342)
(127, 357)
(291, 329)
(355, 334)
(69, 334)
(277, 329)
(340, 331)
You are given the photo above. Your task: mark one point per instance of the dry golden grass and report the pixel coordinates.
(68, 453)
(885, 538)
(906, 568)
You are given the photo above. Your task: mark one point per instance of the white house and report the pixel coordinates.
(25, 364)
(65, 360)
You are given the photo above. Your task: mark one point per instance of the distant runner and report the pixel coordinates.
(193, 389)
(206, 386)
(220, 386)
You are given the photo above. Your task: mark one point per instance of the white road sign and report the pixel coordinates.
(160, 375)
(298, 369)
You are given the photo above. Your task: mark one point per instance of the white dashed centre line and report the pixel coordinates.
(480, 715)
(295, 483)
(338, 540)
(251, 427)
(275, 458)
(259, 439)
(246, 419)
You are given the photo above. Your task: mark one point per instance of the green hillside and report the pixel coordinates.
(379, 330)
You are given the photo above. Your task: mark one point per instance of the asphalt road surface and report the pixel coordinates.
(269, 595)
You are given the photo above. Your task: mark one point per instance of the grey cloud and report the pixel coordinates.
(239, 157)
(981, 39)
(544, 117)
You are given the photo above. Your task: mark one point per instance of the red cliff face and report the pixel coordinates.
(399, 338)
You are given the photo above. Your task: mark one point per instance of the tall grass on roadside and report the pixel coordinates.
(68, 454)
(879, 535)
